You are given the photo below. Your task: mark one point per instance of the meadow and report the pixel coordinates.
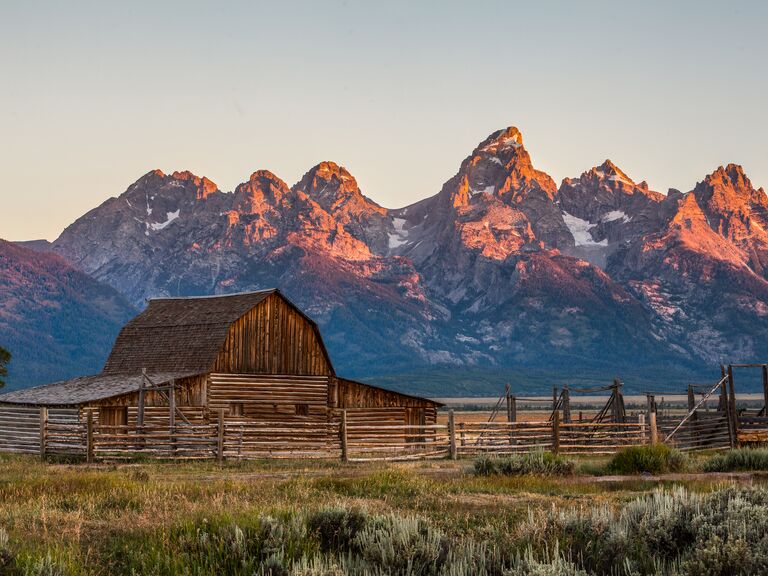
(537, 516)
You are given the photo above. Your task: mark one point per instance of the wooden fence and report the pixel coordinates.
(39, 431)
(702, 432)
(554, 436)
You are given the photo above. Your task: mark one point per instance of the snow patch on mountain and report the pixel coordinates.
(614, 215)
(581, 231)
(400, 235)
(617, 178)
(170, 217)
(486, 190)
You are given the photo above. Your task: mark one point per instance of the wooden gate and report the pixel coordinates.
(701, 428)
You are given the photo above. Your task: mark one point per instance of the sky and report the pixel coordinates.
(95, 94)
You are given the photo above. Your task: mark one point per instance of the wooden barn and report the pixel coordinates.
(244, 361)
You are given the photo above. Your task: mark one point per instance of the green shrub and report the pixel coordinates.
(658, 459)
(669, 532)
(485, 465)
(529, 565)
(540, 463)
(403, 546)
(336, 528)
(730, 534)
(665, 533)
(6, 558)
(744, 459)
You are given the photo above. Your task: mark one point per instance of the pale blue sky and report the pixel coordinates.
(95, 94)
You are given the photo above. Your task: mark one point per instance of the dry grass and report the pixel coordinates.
(77, 512)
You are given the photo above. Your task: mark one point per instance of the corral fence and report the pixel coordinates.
(711, 421)
(48, 432)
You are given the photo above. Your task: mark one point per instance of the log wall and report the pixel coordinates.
(20, 428)
(268, 398)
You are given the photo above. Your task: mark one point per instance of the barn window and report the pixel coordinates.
(236, 409)
(302, 409)
(113, 416)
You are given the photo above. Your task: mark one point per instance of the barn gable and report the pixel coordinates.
(274, 337)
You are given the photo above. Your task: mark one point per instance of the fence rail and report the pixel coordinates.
(38, 431)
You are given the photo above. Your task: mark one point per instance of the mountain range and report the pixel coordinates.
(501, 273)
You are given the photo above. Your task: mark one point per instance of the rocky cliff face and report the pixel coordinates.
(500, 267)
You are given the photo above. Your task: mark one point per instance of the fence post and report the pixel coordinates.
(765, 389)
(343, 436)
(140, 412)
(89, 438)
(172, 415)
(654, 430)
(566, 404)
(462, 434)
(556, 432)
(723, 404)
(694, 416)
(452, 452)
(734, 414)
(513, 409)
(641, 421)
(43, 429)
(220, 439)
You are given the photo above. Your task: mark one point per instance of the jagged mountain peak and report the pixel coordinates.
(152, 178)
(336, 191)
(328, 183)
(727, 180)
(606, 174)
(729, 189)
(736, 211)
(507, 139)
(266, 177)
(329, 169)
(262, 188)
(156, 180)
(204, 186)
(500, 167)
(266, 181)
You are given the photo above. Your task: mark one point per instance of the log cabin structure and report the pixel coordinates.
(247, 358)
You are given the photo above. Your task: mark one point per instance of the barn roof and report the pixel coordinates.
(183, 334)
(86, 389)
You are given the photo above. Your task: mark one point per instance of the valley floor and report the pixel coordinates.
(332, 518)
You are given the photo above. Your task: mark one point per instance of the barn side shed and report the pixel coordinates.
(251, 358)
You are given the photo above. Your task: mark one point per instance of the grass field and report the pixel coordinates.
(321, 518)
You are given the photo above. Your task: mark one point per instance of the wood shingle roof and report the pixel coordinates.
(179, 334)
(85, 389)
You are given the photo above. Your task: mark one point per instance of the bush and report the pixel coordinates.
(669, 532)
(658, 459)
(485, 466)
(540, 463)
(6, 558)
(740, 459)
(336, 528)
(529, 565)
(403, 546)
